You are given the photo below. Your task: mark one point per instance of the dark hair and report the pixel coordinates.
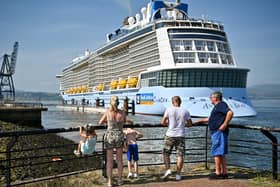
(176, 99)
(217, 95)
(90, 129)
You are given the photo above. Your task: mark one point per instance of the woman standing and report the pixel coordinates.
(114, 137)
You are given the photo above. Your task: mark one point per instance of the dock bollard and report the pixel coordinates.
(125, 105)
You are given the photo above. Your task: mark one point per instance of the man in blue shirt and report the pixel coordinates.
(218, 122)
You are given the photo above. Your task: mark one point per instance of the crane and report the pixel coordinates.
(7, 88)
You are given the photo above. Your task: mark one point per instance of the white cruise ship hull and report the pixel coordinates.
(155, 100)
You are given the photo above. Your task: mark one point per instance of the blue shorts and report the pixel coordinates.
(132, 151)
(219, 143)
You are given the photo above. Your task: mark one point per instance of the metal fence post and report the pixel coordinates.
(104, 162)
(274, 143)
(8, 160)
(206, 147)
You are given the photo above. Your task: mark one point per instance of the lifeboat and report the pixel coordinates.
(122, 83)
(132, 82)
(100, 87)
(70, 91)
(75, 90)
(84, 89)
(114, 84)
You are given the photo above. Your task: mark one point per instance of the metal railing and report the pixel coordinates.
(249, 147)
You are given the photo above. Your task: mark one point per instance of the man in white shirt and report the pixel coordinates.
(177, 119)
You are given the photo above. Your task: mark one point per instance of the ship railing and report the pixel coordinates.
(19, 155)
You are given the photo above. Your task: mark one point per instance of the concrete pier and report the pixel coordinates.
(22, 114)
(89, 109)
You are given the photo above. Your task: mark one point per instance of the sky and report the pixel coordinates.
(51, 33)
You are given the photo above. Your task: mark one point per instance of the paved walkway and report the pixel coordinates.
(197, 180)
(191, 177)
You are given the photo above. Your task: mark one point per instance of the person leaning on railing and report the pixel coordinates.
(218, 122)
(114, 137)
(177, 119)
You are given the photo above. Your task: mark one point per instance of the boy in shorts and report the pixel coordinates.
(132, 150)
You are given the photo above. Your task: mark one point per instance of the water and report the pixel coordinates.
(268, 115)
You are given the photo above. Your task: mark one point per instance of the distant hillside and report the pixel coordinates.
(265, 91)
(36, 96)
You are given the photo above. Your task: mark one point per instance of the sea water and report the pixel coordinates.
(268, 116)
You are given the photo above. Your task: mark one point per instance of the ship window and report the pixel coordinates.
(187, 45)
(215, 26)
(220, 47)
(184, 57)
(189, 57)
(203, 57)
(196, 24)
(199, 44)
(229, 58)
(226, 48)
(223, 59)
(210, 46)
(175, 44)
(213, 57)
(208, 25)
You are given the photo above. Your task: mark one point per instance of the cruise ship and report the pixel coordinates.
(156, 54)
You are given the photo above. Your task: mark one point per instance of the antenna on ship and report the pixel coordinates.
(6, 75)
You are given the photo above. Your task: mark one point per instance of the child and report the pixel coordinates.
(87, 146)
(132, 150)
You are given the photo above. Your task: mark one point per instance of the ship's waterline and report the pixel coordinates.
(154, 56)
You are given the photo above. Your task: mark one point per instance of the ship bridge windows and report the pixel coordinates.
(181, 45)
(184, 57)
(234, 78)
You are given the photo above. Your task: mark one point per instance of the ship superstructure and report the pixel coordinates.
(155, 55)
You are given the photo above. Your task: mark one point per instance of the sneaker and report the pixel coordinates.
(77, 153)
(178, 177)
(135, 175)
(129, 175)
(167, 173)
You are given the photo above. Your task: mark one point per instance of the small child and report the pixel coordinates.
(132, 150)
(87, 146)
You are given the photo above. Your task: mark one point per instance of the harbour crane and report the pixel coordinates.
(7, 88)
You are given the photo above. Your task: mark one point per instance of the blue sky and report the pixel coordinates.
(52, 32)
